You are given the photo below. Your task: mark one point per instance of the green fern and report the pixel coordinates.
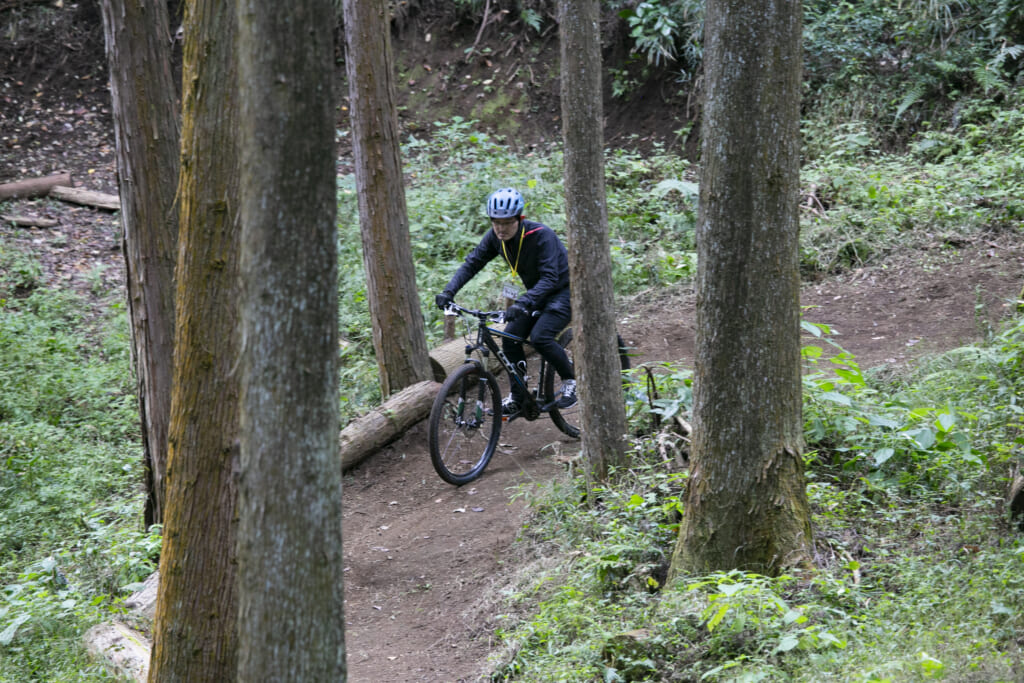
(914, 95)
(1005, 52)
(987, 77)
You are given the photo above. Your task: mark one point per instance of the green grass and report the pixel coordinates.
(70, 473)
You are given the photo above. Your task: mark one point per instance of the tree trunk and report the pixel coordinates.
(746, 505)
(399, 336)
(590, 263)
(291, 622)
(146, 135)
(194, 633)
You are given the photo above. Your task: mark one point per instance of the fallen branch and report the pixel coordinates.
(87, 198)
(29, 221)
(483, 25)
(34, 187)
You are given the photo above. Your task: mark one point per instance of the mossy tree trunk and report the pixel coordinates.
(146, 133)
(291, 621)
(399, 336)
(746, 505)
(194, 632)
(590, 261)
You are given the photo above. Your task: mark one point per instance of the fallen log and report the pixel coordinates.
(385, 423)
(123, 651)
(29, 221)
(122, 647)
(34, 187)
(99, 200)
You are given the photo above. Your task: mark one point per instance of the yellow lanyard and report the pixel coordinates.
(515, 268)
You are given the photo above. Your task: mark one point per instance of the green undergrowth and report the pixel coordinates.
(860, 206)
(70, 475)
(918, 574)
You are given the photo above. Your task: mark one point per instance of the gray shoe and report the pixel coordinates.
(509, 406)
(568, 394)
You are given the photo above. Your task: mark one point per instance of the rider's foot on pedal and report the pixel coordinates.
(509, 406)
(568, 394)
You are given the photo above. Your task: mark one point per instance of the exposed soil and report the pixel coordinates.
(425, 561)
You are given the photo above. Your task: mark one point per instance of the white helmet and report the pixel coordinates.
(505, 203)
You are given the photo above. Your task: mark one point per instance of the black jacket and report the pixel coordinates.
(539, 258)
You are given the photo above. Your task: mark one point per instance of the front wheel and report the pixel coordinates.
(465, 423)
(568, 419)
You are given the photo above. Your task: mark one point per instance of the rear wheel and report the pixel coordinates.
(465, 423)
(568, 419)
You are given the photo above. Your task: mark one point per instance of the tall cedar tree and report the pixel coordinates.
(399, 336)
(291, 622)
(146, 133)
(194, 633)
(746, 506)
(590, 261)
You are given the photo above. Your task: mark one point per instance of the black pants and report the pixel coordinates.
(542, 332)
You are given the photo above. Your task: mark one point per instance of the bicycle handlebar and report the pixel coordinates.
(484, 316)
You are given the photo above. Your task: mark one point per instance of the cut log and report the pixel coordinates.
(99, 200)
(391, 419)
(34, 187)
(387, 422)
(29, 221)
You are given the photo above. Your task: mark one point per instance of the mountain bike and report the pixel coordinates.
(466, 419)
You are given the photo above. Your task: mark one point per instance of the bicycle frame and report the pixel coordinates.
(485, 342)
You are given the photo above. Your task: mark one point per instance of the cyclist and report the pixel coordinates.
(533, 252)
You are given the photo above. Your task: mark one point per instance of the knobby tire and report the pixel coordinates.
(568, 419)
(465, 423)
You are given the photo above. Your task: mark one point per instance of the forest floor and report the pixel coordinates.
(427, 564)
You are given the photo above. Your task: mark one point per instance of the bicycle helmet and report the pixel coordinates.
(505, 203)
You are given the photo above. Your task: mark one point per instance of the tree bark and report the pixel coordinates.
(291, 621)
(590, 266)
(399, 336)
(746, 505)
(195, 630)
(34, 187)
(146, 136)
